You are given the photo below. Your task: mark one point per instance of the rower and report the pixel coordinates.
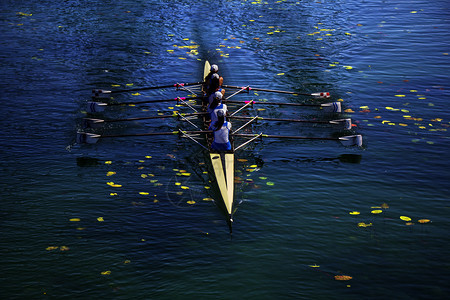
(221, 131)
(214, 69)
(215, 106)
(213, 82)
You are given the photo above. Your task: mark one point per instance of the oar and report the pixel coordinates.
(327, 107)
(91, 138)
(350, 140)
(322, 95)
(99, 93)
(93, 107)
(97, 123)
(345, 123)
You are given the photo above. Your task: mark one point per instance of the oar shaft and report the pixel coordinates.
(279, 119)
(273, 103)
(176, 85)
(248, 88)
(176, 132)
(288, 137)
(155, 101)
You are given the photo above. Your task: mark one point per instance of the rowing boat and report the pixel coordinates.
(222, 164)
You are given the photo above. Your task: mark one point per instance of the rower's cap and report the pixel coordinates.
(214, 68)
(218, 95)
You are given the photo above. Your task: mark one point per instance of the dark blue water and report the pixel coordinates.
(67, 233)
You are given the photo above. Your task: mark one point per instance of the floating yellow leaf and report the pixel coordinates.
(24, 14)
(400, 95)
(314, 266)
(51, 248)
(384, 206)
(113, 184)
(191, 202)
(423, 221)
(347, 33)
(100, 219)
(376, 211)
(279, 74)
(354, 213)
(144, 175)
(144, 193)
(405, 218)
(177, 183)
(185, 187)
(362, 224)
(106, 273)
(207, 199)
(342, 277)
(270, 183)
(348, 67)
(148, 156)
(110, 173)
(64, 248)
(113, 194)
(74, 220)
(108, 162)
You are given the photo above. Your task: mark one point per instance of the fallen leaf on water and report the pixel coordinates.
(423, 221)
(405, 218)
(74, 220)
(354, 213)
(342, 277)
(377, 211)
(51, 248)
(100, 219)
(191, 202)
(106, 273)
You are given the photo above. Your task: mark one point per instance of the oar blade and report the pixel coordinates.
(96, 93)
(87, 138)
(93, 123)
(94, 107)
(321, 95)
(351, 140)
(344, 123)
(333, 107)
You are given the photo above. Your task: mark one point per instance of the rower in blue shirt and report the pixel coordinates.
(221, 131)
(215, 106)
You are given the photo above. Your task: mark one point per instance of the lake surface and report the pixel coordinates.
(130, 218)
